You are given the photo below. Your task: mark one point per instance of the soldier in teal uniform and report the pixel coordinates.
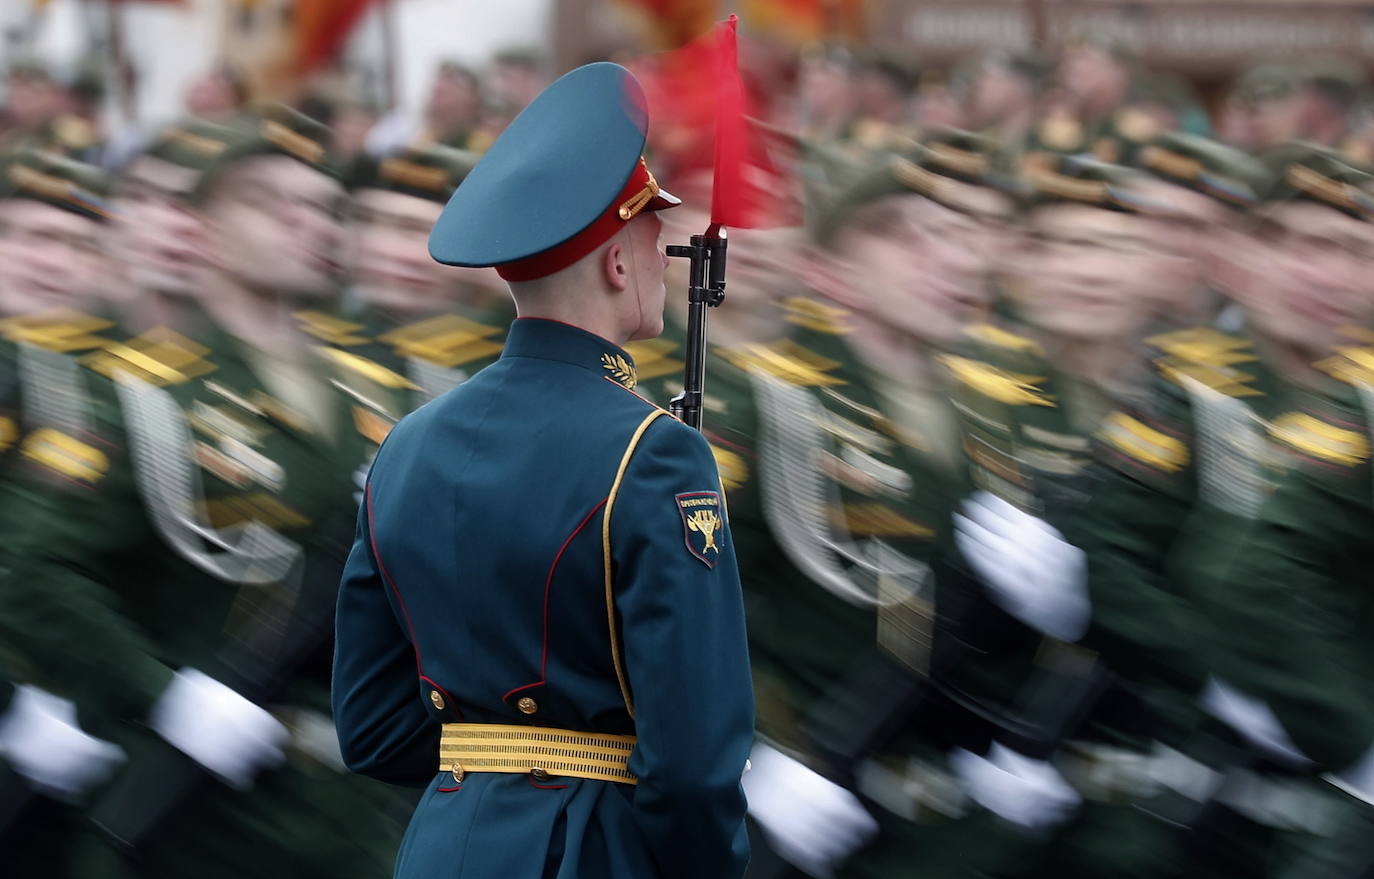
(174, 555)
(540, 621)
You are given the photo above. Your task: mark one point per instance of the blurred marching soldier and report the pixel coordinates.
(174, 556)
(604, 735)
(1247, 415)
(1032, 392)
(1210, 189)
(414, 329)
(859, 463)
(53, 214)
(1185, 464)
(1293, 661)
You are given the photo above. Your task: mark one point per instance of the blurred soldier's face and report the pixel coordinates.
(515, 85)
(212, 95)
(647, 262)
(762, 267)
(33, 100)
(1089, 273)
(827, 88)
(1238, 125)
(1196, 230)
(455, 97)
(277, 226)
(920, 267)
(159, 240)
(49, 257)
(996, 94)
(1277, 120)
(1096, 80)
(388, 235)
(1314, 276)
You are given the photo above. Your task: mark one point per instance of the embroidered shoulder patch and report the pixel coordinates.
(66, 455)
(1151, 447)
(1318, 439)
(701, 524)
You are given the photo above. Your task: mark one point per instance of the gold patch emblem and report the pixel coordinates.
(997, 384)
(66, 455)
(1317, 439)
(701, 523)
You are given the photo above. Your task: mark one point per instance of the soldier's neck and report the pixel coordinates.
(154, 308)
(1296, 365)
(1107, 364)
(261, 318)
(897, 355)
(599, 323)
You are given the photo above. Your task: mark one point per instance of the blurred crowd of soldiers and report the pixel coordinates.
(1046, 440)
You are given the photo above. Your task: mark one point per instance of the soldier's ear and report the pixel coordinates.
(615, 264)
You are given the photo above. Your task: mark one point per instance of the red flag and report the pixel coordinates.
(701, 119)
(670, 23)
(730, 205)
(322, 27)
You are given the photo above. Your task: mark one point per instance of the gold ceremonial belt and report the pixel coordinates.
(543, 752)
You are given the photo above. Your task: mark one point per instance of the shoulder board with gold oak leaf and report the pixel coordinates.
(818, 316)
(329, 329)
(160, 357)
(447, 340)
(1354, 366)
(1208, 356)
(786, 361)
(368, 369)
(998, 384)
(991, 334)
(1204, 346)
(62, 330)
(1223, 379)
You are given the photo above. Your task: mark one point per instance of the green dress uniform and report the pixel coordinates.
(183, 502)
(183, 520)
(1027, 435)
(1183, 472)
(1293, 621)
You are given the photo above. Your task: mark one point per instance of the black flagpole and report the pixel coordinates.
(706, 289)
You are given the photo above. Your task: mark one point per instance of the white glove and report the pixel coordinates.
(1253, 719)
(811, 822)
(1027, 792)
(41, 739)
(218, 728)
(1357, 780)
(1027, 566)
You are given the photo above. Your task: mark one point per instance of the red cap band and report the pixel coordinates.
(637, 195)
